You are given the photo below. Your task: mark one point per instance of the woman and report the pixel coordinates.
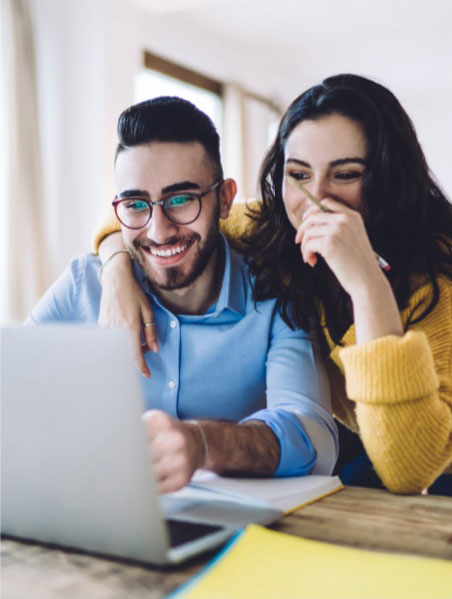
(387, 333)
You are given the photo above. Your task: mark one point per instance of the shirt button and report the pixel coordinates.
(171, 384)
(173, 323)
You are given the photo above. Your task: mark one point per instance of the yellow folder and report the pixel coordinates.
(264, 564)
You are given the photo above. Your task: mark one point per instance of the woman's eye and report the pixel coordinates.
(299, 176)
(348, 176)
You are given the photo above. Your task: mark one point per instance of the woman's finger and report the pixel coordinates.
(150, 330)
(138, 355)
(314, 219)
(310, 243)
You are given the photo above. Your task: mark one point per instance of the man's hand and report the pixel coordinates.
(177, 449)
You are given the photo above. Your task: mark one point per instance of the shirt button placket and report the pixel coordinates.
(173, 382)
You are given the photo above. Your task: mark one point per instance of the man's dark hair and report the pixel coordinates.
(169, 119)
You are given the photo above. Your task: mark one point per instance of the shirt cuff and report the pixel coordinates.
(298, 455)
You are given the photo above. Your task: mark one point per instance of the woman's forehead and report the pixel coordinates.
(327, 139)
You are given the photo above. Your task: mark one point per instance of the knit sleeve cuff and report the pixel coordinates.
(108, 225)
(390, 369)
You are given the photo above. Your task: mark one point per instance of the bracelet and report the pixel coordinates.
(204, 441)
(102, 266)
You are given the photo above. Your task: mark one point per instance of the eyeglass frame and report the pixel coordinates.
(117, 200)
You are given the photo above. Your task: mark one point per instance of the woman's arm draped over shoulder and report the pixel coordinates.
(402, 387)
(123, 302)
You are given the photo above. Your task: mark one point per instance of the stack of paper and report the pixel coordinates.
(264, 564)
(285, 494)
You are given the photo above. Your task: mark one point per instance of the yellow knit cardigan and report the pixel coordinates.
(395, 391)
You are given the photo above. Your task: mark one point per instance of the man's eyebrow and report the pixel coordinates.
(133, 193)
(180, 186)
(338, 162)
(183, 185)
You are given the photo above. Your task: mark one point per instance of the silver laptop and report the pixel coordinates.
(76, 469)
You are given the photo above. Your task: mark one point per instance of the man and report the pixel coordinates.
(233, 388)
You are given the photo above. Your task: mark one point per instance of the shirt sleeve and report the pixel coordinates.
(298, 403)
(74, 296)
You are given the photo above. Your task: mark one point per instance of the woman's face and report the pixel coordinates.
(328, 157)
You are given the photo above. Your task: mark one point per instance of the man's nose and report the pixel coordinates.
(160, 228)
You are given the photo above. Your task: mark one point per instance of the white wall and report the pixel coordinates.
(72, 43)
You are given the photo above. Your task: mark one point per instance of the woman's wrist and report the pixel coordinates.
(116, 256)
(375, 311)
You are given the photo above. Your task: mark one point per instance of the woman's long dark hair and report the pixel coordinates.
(408, 217)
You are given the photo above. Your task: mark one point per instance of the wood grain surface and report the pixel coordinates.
(356, 517)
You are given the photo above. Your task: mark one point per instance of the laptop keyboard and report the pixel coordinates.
(182, 531)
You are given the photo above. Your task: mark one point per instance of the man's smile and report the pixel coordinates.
(169, 251)
(167, 254)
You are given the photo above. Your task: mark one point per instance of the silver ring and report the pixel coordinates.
(149, 324)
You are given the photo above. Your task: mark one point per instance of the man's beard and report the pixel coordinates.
(175, 277)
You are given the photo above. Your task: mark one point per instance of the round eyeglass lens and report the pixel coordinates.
(133, 212)
(182, 208)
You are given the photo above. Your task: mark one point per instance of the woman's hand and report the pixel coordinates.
(340, 237)
(124, 303)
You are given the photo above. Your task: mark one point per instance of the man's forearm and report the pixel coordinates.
(248, 448)
(179, 447)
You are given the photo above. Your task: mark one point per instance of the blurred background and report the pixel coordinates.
(69, 68)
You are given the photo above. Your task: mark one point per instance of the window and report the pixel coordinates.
(160, 77)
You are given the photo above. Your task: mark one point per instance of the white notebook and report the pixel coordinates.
(286, 494)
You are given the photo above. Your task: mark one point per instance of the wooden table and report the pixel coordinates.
(356, 517)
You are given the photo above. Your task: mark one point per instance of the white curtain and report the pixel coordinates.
(248, 128)
(23, 242)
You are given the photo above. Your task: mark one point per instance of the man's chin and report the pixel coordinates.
(173, 280)
(169, 279)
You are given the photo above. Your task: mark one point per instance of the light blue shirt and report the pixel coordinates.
(235, 362)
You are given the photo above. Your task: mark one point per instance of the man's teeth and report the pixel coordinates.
(169, 252)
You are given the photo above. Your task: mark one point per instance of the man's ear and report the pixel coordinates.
(227, 195)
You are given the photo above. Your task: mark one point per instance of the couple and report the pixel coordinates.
(241, 386)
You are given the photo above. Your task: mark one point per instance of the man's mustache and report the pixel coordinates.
(175, 240)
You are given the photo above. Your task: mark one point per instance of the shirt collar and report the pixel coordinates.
(232, 295)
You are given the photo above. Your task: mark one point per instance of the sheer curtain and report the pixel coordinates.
(23, 241)
(248, 130)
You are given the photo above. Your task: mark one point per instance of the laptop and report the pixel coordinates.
(76, 467)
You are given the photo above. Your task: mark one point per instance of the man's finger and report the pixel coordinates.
(173, 481)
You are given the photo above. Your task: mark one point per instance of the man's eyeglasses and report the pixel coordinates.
(180, 208)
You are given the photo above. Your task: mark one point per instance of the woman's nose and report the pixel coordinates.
(320, 188)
